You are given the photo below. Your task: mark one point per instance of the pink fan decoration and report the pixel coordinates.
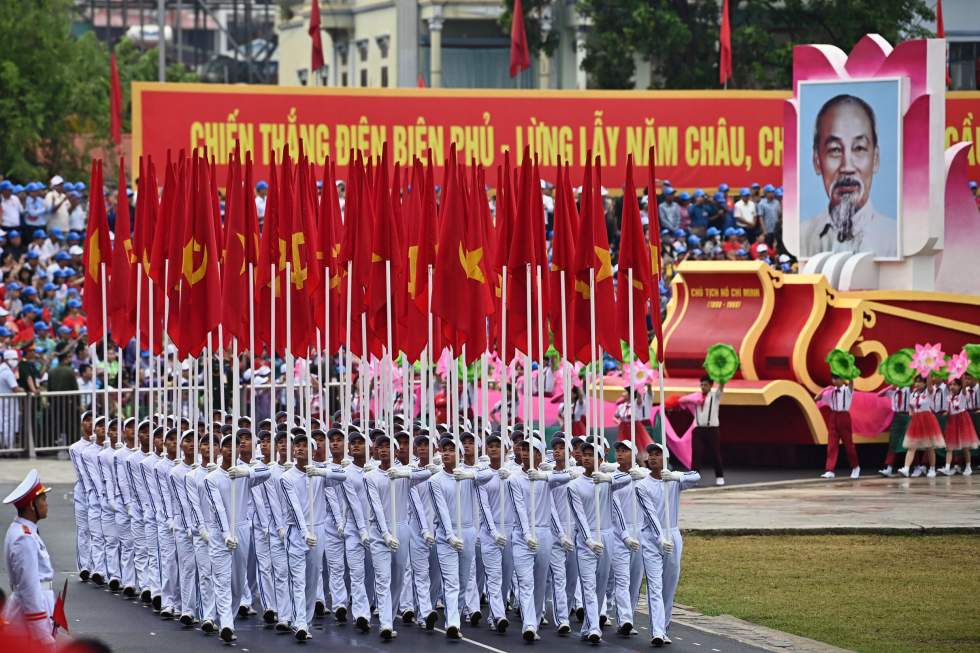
(957, 364)
(928, 358)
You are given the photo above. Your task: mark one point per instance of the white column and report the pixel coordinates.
(580, 76)
(435, 48)
(544, 61)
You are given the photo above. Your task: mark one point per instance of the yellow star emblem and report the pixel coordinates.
(605, 264)
(94, 255)
(192, 274)
(470, 260)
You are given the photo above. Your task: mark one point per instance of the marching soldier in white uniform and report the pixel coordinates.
(31, 602)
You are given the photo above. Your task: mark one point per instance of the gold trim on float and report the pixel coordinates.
(683, 311)
(875, 381)
(919, 316)
(913, 296)
(817, 312)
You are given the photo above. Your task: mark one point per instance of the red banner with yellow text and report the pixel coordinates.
(702, 138)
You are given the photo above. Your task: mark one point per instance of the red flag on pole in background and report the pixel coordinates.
(633, 255)
(563, 255)
(316, 55)
(330, 231)
(725, 42)
(420, 82)
(520, 57)
(119, 308)
(238, 241)
(115, 102)
(653, 215)
(146, 217)
(98, 250)
(200, 281)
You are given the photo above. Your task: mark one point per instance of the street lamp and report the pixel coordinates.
(304, 75)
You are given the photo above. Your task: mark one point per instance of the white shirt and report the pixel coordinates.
(745, 213)
(260, 206)
(839, 399)
(12, 208)
(31, 600)
(57, 217)
(8, 380)
(77, 219)
(873, 232)
(706, 413)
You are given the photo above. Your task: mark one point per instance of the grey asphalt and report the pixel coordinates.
(129, 626)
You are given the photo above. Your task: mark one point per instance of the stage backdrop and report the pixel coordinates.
(703, 138)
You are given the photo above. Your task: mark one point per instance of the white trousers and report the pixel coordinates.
(186, 572)
(532, 573)
(280, 577)
(169, 574)
(498, 564)
(335, 567)
(389, 573)
(357, 573)
(559, 580)
(627, 572)
(455, 566)
(111, 533)
(593, 574)
(83, 556)
(205, 609)
(137, 531)
(672, 574)
(653, 568)
(154, 582)
(263, 568)
(228, 571)
(426, 574)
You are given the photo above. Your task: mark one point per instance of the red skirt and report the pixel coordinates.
(923, 432)
(578, 428)
(960, 433)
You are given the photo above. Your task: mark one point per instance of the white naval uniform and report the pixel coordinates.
(228, 567)
(533, 566)
(110, 530)
(183, 531)
(301, 519)
(564, 564)
(454, 565)
(649, 494)
(627, 565)
(146, 490)
(137, 524)
(200, 514)
(353, 497)
(83, 555)
(498, 562)
(426, 574)
(31, 600)
(124, 526)
(167, 545)
(593, 569)
(672, 563)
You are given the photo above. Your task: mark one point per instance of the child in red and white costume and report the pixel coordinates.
(924, 431)
(960, 433)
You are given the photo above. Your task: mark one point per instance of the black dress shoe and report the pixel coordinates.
(145, 596)
(84, 575)
(97, 579)
(625, 630)
(502, 624)
(269, 616)
(362, 624)
(228, 635)
(430, 620)
(475, 618)
(157, 603)
(319, 609)
(114, 585)
(243, 611)
(340, 614)
(408, 617)
(129, 592)
(386, 634)
(453, 633)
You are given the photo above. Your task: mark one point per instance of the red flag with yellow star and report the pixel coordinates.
(593, 262)
(461, 292)
(199, 280)
(150, 313)
(98, 250)
(654, 230)
(330, 230)
(123, 272)
(633, 255)
(563, 258)
(238, 246)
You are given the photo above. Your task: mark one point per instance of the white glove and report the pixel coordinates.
(399, 472)
(436, 460)
(282, 534)
(310, 539)
(203, 532)
(195, 465)
(340, 530)
(391, 541)
(254, 462)
(461, 474)
(456, 543)
(370, 467)
(608, 468)
(289, 464)
(501, 540)
(429, 539)
(667, 546)
(601, 477)
(346, 462)
(211, 467)
(639, 473)
(503, 473)
(118, 445)
(632, 544)
(231, 543)
(567, 544)
(532, 543)
(483, 461)
(365, 540)
(433, 468)
(112, 504)
(596, 547)
(129, 511)
(575, 472)
(669, 475)
(241, 471)
(538, 475)
(546, 467)
(312, 471)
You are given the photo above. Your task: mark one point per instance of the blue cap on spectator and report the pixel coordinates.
(693, 240)
(74, 303)
(13, 285)
(755, 185)
(664, 232)
(29, 291)
(698, 193)
(684, 196)
(697, 252)
(6, 185)
(63, 330)
(42, 273)
(75, 194)
(40, 325)
(69, 272)
(679, 233)
(13, 233)
(729, 232)
(719, 196)
(5, 332)
(973, 185)
(69, 186)
(49, 286)
(18, 188)
(668, 190)
(30, 188)
(744, 192)
(58, 274)
(28, 308)
(73, 292)
(712, 232)
(262, 185)
(56, 233)
(769, 188)
(741, 252)
(33, 255)
(80, 186)
(779, 193)
(83, 331)
(723, 188)
(739, 231)
(73, 236)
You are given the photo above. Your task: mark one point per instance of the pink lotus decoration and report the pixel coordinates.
(928, 359)
(639, 373)
(957, 364)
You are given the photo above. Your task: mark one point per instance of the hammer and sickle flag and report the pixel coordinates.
(633, 255)
(98, 249)
(200, 283)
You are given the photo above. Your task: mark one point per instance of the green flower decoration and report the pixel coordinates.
(897, 369)
(721, 362)
(842, 365)
(973, 353)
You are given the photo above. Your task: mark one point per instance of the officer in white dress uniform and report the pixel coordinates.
(31, 601)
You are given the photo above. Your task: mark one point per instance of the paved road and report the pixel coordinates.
(128, 626)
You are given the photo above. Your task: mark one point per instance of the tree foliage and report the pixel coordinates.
(680, 37)
(54, 89)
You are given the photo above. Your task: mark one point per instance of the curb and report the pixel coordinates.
(836, 530)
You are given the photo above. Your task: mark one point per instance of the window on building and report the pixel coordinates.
(384, 76)
(364, 77)
(344, 81)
